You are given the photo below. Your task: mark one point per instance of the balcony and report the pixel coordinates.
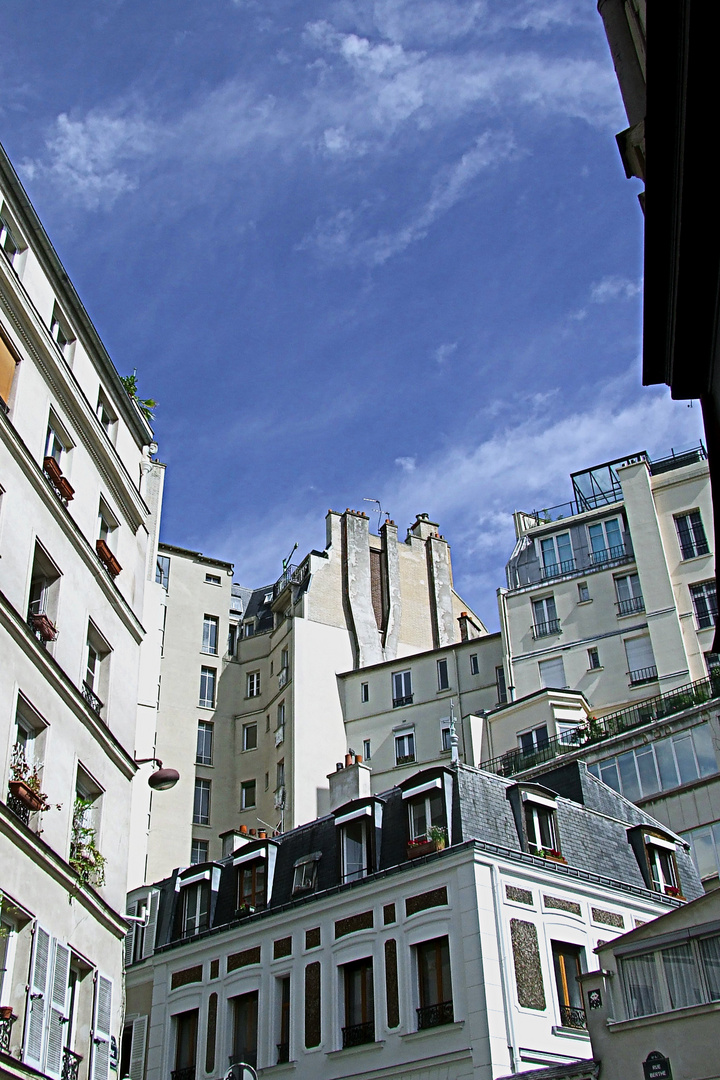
(91, 697)
(608, 555)
(630, 606)
(6, 1024)
(545, 629)
(358, 1034)
(570, 1017)
(70, 1065)
(107, 558)
(643, 675)
(400, 701)
(555, 570)
(405, 759)
(430, 1016)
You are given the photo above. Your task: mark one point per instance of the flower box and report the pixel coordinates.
(52, 470)
(65, 489)
(33, 800)
(42, 625)
(418, 848)
(107, 558)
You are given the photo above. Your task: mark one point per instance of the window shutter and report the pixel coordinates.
(7, 371)
(552, 673)
(137, 1048)
(130, 936)
(102, 1019)
(151, 929)
(36, 1006)
(639, 653)
(57, 1010)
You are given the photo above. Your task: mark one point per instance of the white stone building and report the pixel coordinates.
(79, 506)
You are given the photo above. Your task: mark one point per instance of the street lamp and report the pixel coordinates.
(161, 779)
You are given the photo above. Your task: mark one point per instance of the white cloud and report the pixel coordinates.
(444, 352)
(614, 288)
(407, 464)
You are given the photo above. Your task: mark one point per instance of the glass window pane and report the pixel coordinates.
(564, 548)
(614, 538)
(609, 774)
(666, 764)
(704, 852)
(702, 740)
(649, 781)
(685, 757)
(628, 776)
(597, 538)
(683, 977)
(640, 980)
(710, 953)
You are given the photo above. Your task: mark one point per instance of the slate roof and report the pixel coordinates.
(256, 608)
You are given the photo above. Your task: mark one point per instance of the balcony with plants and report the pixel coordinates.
(85, 858)
(25, 794)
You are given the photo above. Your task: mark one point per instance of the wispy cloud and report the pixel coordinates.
(407, 464)
(614, 288)
(445, 351)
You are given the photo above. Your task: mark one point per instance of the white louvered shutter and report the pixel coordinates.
(102, 1020)
(130, 936)
(37, 999)
(57, 1010)
(137, 1048)
(153, 901)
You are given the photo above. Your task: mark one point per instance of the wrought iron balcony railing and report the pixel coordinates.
(188, 1073)
(357, 1034)
(70, 1065)
(643, 675)
(6, 1023)
(554, 570)
(545, 629)
(570, 1017)
(630, 605)
(398, 701)
(405, 759)
(91, 697)
(430, 1016)
(605, 555)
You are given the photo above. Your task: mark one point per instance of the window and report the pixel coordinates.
(676, 977)
(283, 1045)
(186, 1025)
(61, 333)
(474, 664)
(105, 415)
(583, 592)
(305, 873)
(245, 1029)
(247, 794)
(552, 673)
(557, 555)
(8, 367)
(593, 659)
(640, 659)
(629, 595)
(661, 765)
(195, 908)
(267, 781)
(232, 638)
(10, 240)
(500, 684)
(425, 811)
(540, 826)
(532, 741)
(249, 628)
(211, 632)
(106, 525)
(95, 681)
(43, 600)
(545, 620)
(366, 750)
(445, 738)
(162, 571)
(442, 675)
(405, 748)
(252, 684)
(204, 755)
(212, 579)
(198, 851)
(284, 659)
(355, 849)
(662, 864)
(280, 774)
(208, 676)
(606, 542)
(268, 598)
(359, 1003)
(364, 692)
(249, 736)
(251, 886)
(705, 849)
(704, 600)
(55, 444)
(691, 535)
(402, 688)
(434, 983)
(569, 962)
(201, 803)
(280, 720)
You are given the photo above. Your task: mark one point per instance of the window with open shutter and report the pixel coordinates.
(130, 936)
(37, 1000)
(102, 1019)
(7, 371)
(58, 1010)
(137, 1048)
(151, 928)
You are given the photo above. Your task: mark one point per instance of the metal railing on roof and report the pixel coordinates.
(597, 729)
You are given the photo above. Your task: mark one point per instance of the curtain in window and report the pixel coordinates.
(683, 977)
(710, 953)
(640, 985)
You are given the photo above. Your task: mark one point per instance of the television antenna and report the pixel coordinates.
(379, 510)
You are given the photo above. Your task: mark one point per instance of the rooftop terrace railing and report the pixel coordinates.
(599, 728)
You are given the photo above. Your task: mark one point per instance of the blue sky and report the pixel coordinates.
(356, 249)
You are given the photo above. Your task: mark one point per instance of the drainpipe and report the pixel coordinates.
(509, 1020)
(507, 649)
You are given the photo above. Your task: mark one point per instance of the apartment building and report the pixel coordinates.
(613, 593)
(80, 501)
(256, 725)
(433, 929)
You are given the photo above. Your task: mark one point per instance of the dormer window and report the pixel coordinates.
(195, 900)
(252, 886)
(305, 871)
(354, 845)
(541, 833)
(662, 863)
(426, 811)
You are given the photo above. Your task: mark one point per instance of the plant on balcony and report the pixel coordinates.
(437, 835)
(552, 853)
(672, 890)
(145, 405)
(107, 558)
(85, 858)
(24, 782)
(434, 840)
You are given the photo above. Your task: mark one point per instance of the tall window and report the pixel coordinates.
(364, 692)
(359, 1003)
(8, 240)
(201, 803)
(204, 755)
(425, 811)
(606, 541)
(545, 620)
(195, 908)
(405, 748)
(640, 660)
(245, 1029)
(541, 829)
(208, 677)
(705, 849)
(691, 535)
(552, 673)
(532, 741)
(434, 983)
(185, 1045)
(283, 1045)
(162, 571)
(568, 962)
(402, 688)
(557, 555)
(355, 849)
(247, 794)
(54, 443)
(211, 630)
(442, 675)
(198, 851)
(280, 774)
(663, 866)
(500, 684)
(249, 736)
(252, 684)
(252, 884)
(629, 594)
(474, 664)
(704, 600)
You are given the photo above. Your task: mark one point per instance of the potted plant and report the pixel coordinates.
(145, 405)
(552, 853)
(438, 836)
(52, 470)
(6, 1012)
(24, 783)
(107, 558)
(85, 858)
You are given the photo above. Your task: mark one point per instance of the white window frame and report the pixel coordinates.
(402, 681)
(210, 622)
(405, 752)
(252, 684)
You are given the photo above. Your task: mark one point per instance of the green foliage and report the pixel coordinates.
(145, 405)
(85, 858)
